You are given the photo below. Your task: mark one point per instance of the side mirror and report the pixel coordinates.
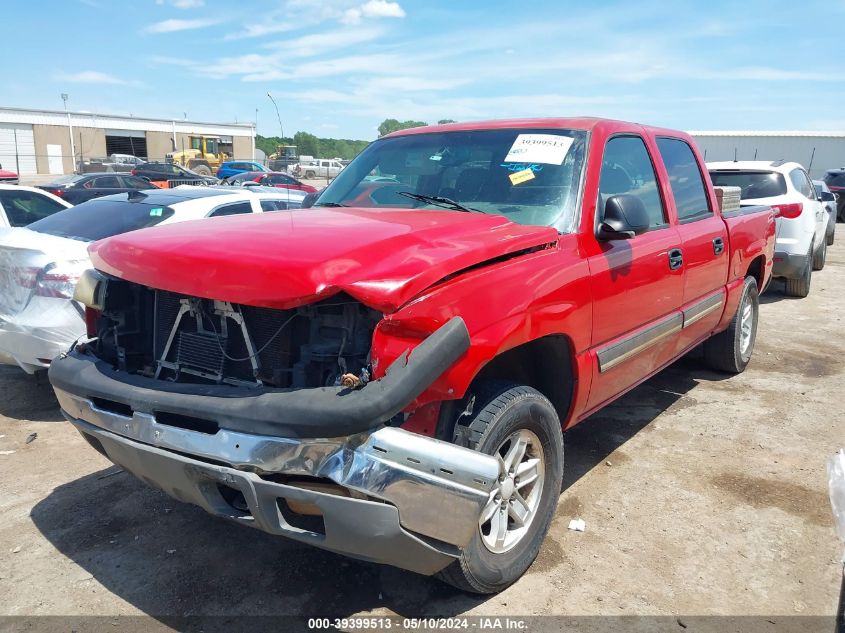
(827, 196)
(309, 199)
(624, 218)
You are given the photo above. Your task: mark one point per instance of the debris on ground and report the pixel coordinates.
(579, 525)
(6, 452)
(16, 550)
(171, 551)
(31, 438)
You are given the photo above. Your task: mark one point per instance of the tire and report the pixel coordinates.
(202, 170)
(820, 255)
(832, 236)
(310, 175)
(504, 413)
(801, 287)
(730, 351)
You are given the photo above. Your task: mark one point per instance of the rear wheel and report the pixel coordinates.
(801, 287)
(820, 256)
(310, 175)
(202, 170)
(730, 351)
(521, 428)
(832, 235)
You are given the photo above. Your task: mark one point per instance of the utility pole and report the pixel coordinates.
(278, 116)
(70, 134)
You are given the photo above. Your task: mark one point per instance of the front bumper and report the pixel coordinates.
(788, 265)
(383, 495)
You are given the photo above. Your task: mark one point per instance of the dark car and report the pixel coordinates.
(270, 179)
(160, 171)
(835, 181)
(76, 189)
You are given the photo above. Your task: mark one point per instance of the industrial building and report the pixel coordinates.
(53, 141)
(816, 151)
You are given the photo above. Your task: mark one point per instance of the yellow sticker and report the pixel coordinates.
(519, 177)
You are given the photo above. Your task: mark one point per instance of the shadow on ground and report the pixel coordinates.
(26, 396)
(165, 558)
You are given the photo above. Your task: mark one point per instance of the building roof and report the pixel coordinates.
(122, 122)
(779, 133)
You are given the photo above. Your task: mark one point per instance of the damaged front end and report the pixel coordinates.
(271, 418)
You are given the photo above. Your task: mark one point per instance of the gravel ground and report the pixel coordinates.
(702, 495)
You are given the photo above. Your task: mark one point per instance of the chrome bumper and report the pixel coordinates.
(438, 489)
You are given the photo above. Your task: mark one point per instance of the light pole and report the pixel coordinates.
(70, 133)
(278, 116)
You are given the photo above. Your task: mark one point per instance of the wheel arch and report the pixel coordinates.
(546, 363)
(757, 269)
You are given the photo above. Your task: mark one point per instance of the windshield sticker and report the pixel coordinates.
(548, 149)
(518, 177)
(521, 166)
(156, 212)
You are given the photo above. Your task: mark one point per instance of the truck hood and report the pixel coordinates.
(381, 257)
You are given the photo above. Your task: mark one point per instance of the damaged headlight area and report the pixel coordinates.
(177, 338)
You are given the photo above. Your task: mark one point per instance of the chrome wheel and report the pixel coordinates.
(514, 501)
(746, 325)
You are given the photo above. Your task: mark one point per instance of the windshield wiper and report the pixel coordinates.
(439, 201)
(330, 204)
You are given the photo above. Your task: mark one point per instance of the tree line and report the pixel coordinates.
(347, 149)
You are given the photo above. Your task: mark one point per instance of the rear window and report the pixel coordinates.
(753, 184)
(835, 179)
(98, 219)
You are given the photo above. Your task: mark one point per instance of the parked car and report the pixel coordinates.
(8, 177)
(114, 162)
(270, 179)
(160, 172)
(443, 330)
(317, 169)
(20, 205)
(801, 247)
(79, 188)
(40, 264)
(232, 167)
(828, 200)
(835, 180)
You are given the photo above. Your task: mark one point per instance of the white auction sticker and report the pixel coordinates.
(548, 149)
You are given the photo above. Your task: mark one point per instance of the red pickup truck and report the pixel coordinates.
(388, 373)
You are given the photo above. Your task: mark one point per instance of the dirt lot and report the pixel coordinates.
(702, 495)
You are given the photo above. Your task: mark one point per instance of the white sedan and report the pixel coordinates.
(40, 264)
(21, 205)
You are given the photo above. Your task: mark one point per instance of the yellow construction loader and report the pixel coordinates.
(203, 156)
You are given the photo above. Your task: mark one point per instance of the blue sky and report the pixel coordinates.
(339, 67)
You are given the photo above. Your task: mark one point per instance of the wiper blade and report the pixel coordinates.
(330, 204)
(440, 201)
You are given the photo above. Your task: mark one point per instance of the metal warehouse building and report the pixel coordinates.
(39, 141)
(817, 151)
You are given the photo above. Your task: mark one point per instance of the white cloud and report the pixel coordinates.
(372, 9)
(262, 29)
(173, 25)
(94, 77)
(183, 4)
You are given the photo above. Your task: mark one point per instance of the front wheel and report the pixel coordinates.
(730, 351)
(521, 428)
(310, 175)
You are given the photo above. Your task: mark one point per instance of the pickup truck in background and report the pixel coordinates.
(388, 374)
(317, 168)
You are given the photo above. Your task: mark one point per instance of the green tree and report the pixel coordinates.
(392, 125)
(442, 121)
(307, 144)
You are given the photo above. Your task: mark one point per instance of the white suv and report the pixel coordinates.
(800, 247)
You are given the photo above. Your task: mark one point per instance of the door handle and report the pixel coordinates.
(718, 246)
(676, 258)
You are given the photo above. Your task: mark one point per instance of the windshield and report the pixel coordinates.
(528, 176)
(97, 219)
(753, 184)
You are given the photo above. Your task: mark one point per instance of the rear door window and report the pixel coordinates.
(135, 182)
(236, 208)
(107, 182)
(685, 179)
(98, 219)
(274, 205)
(801, 182)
